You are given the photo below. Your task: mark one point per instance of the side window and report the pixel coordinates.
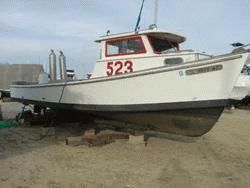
(163, 45)
(125, 47)
(173, 61)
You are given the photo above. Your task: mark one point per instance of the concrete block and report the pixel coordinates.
(75, 141)
(136, 139)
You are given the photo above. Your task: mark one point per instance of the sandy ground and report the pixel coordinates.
(220, 158)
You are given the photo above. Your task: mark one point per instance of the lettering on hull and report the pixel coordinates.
(204, 70)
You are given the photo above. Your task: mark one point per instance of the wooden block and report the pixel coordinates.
(111, 134)
(89, 133)
(104, 137)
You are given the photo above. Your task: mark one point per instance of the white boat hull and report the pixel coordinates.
(158, 97)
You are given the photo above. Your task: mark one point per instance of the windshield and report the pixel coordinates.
(125, 46)
(163, 45)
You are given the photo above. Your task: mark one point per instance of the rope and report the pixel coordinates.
(62, 91)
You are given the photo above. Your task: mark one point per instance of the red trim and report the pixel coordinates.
(121, 39)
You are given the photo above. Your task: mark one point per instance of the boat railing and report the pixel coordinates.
(179, 51)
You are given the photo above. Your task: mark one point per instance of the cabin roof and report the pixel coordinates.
(150, 32)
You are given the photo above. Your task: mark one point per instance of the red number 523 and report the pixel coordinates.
(118, 67)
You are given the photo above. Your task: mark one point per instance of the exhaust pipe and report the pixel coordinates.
(52, 65)
(62, 66)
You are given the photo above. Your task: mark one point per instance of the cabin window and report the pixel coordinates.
(125, 46)
(163, 45)
(173, 61)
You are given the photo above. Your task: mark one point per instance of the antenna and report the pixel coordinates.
(156, 12)
(139, 17)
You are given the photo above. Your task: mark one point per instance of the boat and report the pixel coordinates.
(241, 88)
(145, 78)
(243, 82)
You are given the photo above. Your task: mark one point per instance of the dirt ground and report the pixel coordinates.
(220, 158)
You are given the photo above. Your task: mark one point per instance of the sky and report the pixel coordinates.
(30, 28)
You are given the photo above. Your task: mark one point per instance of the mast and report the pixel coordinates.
(156, 12)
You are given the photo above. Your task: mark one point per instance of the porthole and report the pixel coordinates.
(173, 61)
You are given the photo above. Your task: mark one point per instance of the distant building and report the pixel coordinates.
(18, 72)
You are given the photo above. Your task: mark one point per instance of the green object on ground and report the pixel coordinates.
(6, 124)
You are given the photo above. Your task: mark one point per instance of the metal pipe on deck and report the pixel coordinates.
(62, 66)
(52, 65)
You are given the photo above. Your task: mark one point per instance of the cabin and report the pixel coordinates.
(135, 51)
